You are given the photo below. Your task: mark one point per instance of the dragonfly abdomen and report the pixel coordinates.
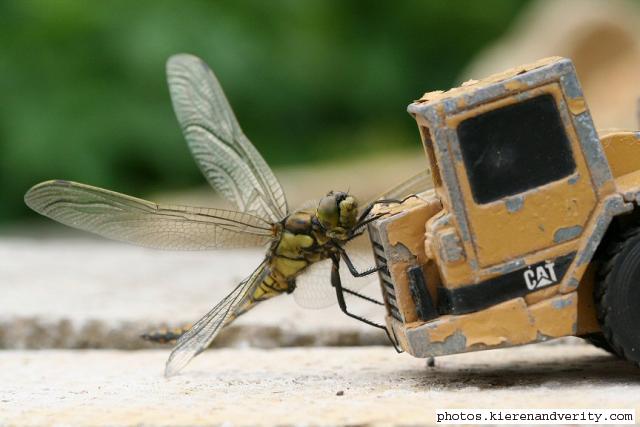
(269, 287)
(296, 249)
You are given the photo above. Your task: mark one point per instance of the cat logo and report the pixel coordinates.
(540, 276)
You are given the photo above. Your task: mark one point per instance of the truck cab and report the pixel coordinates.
(502, 250)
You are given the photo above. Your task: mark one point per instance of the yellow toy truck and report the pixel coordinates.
(532, 229)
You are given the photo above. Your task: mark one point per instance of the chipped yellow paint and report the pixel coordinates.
(542, 294)
(454, 274)
(406, 229)
(577, 269)
(478, 84)
(550, 221)
(555, 317)
(587, 321)
(459, 275)
(628, 184)
(470, 82)
(576, 105)
(622, 150)
(508, 322)
(544, 209)
(514, 86)
(441, 329)
(411, 224)
(418, 201)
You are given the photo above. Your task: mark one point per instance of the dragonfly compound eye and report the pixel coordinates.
(328, 211)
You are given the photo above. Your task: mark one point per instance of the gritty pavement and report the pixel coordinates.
(71, 293)
(303, 386)
(82, 293)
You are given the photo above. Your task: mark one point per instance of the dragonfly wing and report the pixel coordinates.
(200, 336)
(227, 158)
(416, 184)
(132, 220)
(313, 286)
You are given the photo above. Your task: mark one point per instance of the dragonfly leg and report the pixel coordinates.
(356, 273)
(336, 282)
(359, 295)
(352, 268)
(371, 205)
(358, 229)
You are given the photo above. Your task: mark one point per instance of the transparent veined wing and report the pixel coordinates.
(416, 184)
(132, 220)
(203, 332)
(310, 204)
(313, 286)
(227, 158)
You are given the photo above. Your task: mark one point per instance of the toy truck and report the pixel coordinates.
(531, 230)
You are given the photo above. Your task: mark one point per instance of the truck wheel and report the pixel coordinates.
(617, 295)
(598, 340)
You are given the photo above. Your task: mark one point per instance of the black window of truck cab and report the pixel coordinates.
(515, 148)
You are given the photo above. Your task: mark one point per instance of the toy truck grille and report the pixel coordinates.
(386, 283)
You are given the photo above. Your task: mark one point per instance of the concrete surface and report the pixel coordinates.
(80, 293)
(302, 386)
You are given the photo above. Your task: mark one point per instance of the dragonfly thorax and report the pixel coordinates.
(337, 213)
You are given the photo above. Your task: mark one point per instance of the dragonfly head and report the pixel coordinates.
(337, 212)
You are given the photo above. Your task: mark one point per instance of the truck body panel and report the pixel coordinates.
(499, 253)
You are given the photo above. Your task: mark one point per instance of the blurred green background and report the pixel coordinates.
(84, 95)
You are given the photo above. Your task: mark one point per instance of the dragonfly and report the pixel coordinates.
(297, 242)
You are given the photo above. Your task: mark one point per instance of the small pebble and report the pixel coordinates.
(340, 393)
(431, 362)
